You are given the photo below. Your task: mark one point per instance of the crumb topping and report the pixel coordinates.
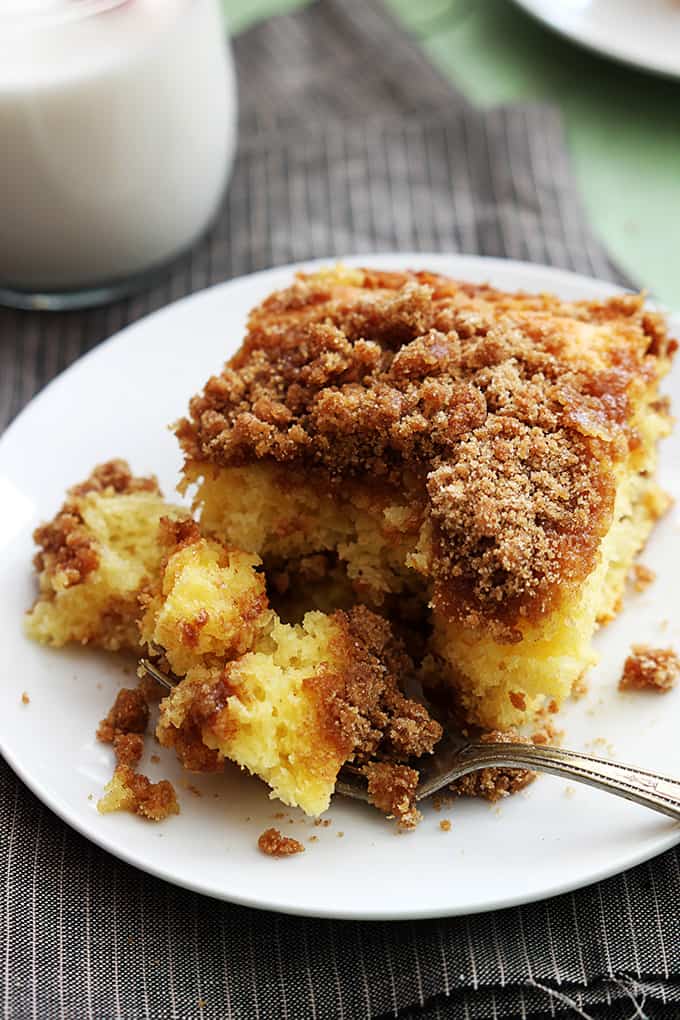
(479, 402)
(274, 844)
(65, 544)
(128, 748)
(116, 476)
(369, 715)
(494, 783)
(128, 714)
(646, 668)
(134, 792)
(392, 788)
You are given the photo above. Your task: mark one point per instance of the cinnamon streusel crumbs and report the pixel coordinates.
(129, 748)
(128, 714)
(391, 788)
(647, 668)
(274, 844)
(445, 825)
(25, 700)
(130, 791)
(494, 783)
(488, 408)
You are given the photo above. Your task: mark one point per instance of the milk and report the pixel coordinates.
(117, 131)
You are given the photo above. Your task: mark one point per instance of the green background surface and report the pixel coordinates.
(623, 125)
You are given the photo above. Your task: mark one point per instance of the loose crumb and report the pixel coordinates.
(569, 791)
(313, 839)
(340, 835)
(131, 791)
(25, 700)
(642, 576)
(128, 714)
(580, 688)
(602, 746)
(155, 758)
(274, 844)
(654, 669)
(391, 788)
(547, 734)
(445, 825)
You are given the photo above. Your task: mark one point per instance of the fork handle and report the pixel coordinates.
(651, 789)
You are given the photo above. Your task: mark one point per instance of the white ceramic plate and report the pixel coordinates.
(645, 33)
(117, 401)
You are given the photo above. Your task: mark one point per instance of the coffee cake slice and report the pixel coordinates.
(491, 453)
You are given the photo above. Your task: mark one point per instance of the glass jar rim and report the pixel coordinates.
(31, 14)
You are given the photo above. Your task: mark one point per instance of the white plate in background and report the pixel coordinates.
(645, 33)
(117, 401)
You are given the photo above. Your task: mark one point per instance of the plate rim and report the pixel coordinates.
(621, 57)
(60, 805)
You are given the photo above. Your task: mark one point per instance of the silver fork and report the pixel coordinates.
(455, 756)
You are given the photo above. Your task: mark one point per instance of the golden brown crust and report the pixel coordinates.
(652, 669)
(272, 843)
(476, 401)
(494, 783)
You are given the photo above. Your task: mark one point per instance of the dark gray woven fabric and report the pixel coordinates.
(340, 167)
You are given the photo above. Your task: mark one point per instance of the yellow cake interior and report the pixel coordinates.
(96, 557)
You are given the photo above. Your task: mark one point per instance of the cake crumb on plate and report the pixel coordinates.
(272, 843)
(653, 669)
(641, 576)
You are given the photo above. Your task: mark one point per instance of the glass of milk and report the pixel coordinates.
(117, 133)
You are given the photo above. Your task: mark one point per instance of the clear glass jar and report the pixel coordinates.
(118, 128)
